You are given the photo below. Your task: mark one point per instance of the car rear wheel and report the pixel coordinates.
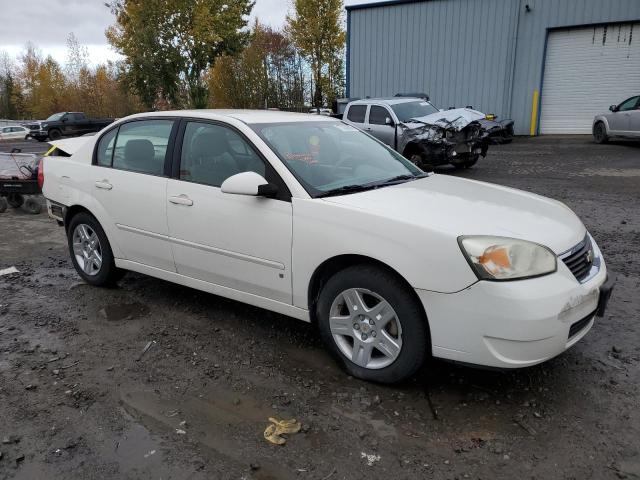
(600, 133)
(15, 200)
(372, 324)
(90, 251)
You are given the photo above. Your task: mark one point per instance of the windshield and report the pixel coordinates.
(55, 116)
(407, 111)
(335, 158)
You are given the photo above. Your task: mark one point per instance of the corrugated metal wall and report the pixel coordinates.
(485, 53)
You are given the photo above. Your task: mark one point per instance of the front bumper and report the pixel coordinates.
(519, 323)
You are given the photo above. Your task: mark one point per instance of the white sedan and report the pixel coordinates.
(309, 217)
(14, 132)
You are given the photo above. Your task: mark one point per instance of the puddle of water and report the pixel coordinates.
(124, 311)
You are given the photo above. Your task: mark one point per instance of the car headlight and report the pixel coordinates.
(44, 125)
(503, 258)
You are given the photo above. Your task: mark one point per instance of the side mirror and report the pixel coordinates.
(388, 121)
(249, 183)
(64, 119)
(613, 108)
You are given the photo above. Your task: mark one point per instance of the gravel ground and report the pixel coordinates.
(154, 380)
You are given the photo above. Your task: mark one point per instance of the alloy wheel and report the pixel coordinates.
(87, 249)
(366, 328)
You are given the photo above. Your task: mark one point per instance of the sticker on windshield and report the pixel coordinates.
(346, 128)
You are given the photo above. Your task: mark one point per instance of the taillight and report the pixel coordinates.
(41, 173)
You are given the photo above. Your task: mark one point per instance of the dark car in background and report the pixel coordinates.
(68, 124)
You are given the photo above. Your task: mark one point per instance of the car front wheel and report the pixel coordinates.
(600, 133)
(90, 251)
(373, 324)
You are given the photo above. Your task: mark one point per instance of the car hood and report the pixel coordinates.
(457, 206)
(459, 117)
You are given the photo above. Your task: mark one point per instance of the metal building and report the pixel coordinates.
(550, 65)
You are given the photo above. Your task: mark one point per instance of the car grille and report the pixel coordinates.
(580, 259)
(580, 325)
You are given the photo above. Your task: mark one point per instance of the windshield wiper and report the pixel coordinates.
(402, 178)
(370, 186)
(348, 189)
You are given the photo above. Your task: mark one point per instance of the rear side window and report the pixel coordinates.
(378, 115)
(105, 148)
(356, 113)
(141, 146)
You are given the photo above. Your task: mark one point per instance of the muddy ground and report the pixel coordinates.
(80, 399)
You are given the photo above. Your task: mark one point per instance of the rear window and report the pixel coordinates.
(356, 113)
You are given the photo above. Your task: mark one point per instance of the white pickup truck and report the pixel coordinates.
(307, 216)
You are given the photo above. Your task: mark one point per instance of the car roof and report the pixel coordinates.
(246, 116)
(387, 101)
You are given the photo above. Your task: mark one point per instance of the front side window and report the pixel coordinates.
(141, 146)
(378, 115)
(333, 157)
(628, 104)
(407, 110)
(212, 153)
(356, 113)
(55, 117)
(104, 154)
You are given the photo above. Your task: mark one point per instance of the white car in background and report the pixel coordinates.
(623, 121)
(309, 217)
(14, 132)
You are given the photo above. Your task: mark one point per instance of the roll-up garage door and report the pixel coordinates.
(586, 70)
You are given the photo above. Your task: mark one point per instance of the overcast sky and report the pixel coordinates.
(47, 23)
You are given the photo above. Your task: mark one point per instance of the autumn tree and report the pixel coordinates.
(267, 73)
(316, 30)
(168, 45)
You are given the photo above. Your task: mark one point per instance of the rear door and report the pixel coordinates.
(236, 241)
(130, 174)
(377, 124)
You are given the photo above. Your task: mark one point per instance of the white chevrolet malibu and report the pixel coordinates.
(309, 217)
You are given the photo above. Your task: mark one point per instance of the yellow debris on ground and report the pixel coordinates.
(278, 427)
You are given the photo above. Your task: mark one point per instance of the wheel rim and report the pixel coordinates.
(366, 328)
(87, 249)
(599, 132)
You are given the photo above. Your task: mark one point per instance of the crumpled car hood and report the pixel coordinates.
(457, 206)
(456, 118)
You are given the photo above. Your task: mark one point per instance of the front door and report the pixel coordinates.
(236, 241)
(620, 120)
(130, 184)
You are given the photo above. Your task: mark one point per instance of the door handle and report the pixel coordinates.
(368, 129)
(181, 200)
(104, 184)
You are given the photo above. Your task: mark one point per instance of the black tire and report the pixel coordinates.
(3, 204)
(55, 134)
(27, 137)
(600, 133)
(410, 313)
(15, 200)
(33, 206)
(108, 273)
(466, 163)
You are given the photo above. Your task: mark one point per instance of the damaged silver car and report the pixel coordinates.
(422, 133)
